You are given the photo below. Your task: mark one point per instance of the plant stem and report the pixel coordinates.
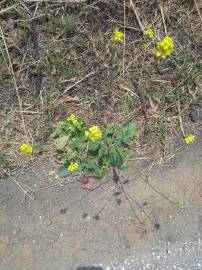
(146, 180)
(115, 176)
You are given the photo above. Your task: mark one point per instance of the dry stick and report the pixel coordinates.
(7, 9)
(183, 81)
(14, 82)
(199, 13)
(37, 6)
(79, 81)
(124, 31)
(180, 118)
(19, 185)
(137, 16)
(163, 18)
(2, 2)
(72, 86)
(60, 1)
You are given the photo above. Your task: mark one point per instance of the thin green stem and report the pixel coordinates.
(146, 180)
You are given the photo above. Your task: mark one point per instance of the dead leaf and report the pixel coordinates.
(70, 99)
(88, 184)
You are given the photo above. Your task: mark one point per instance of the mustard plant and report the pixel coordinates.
(92, 150)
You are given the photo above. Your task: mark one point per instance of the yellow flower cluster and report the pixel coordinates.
(190, 139)
(149, 33)
(94, 133)
(118, 37)
(72, 118)
(165, 47)
(73, 167)
(26, 149)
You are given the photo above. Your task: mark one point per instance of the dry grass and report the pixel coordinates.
(58, 58)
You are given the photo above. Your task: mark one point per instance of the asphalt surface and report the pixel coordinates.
(61, 229)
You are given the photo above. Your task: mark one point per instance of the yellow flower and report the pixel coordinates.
(94, 133)
(118, 37)
(149, 33)
(190, 139)
(165, 47)
(26, 149)
(73, 167)
(72, 118)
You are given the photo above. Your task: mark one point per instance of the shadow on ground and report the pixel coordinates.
(61, 228)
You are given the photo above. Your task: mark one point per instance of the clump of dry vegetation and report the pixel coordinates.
(58, 58)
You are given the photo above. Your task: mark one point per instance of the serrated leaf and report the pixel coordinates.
(102, 172)
(126, 134)
(101, 152)
(78, 144)
(94, 148)
(63, 171)
(61, 142)
(116, 159)
(109, 131)
(90, 164)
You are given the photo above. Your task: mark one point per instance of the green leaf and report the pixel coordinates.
(116, 159)
(61, 142)
(181, 203)
(101, 172)
(109, 131)
(63, 171)
(94, 148)
(78, 144)
(126, 134)
(58, 131)
(102, 151)
(90, 164)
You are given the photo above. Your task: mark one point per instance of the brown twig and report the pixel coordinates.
(136, 15)
(199, 13)
(11, 71)
(19, 185)
(124, 31)
(8, 9)
(180, 118)
(163, 18)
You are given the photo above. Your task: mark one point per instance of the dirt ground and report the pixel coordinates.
(59, 58)
(61, 228)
